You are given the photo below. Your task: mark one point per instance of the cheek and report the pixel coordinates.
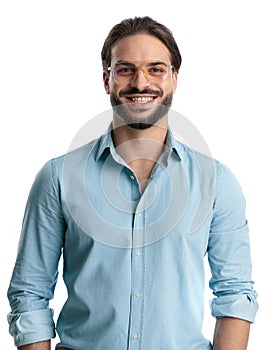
(112, 86)
(168, 89)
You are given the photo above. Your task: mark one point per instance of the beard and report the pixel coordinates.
(140, 118)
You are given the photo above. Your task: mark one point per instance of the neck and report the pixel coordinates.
(140, 149)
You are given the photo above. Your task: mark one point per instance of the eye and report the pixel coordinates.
(122, 70)
(158, 70)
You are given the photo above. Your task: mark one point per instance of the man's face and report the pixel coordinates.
(141, 82)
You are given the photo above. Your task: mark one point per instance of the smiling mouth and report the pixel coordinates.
(143, 99)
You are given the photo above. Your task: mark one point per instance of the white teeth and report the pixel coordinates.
(142, 99)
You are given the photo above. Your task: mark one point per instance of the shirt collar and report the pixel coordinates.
(106, 143)
(173, 145)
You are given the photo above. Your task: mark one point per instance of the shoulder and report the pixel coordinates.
(55, 165)
(216, 178)
(224, 176)
(198, 164)
(51, 172)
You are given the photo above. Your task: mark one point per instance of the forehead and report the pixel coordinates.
(140, 47)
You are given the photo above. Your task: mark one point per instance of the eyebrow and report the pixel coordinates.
(151, 63)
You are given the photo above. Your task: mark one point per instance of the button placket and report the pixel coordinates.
(137, 280)
(135, 336)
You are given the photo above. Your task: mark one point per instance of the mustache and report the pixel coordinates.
(133, 91)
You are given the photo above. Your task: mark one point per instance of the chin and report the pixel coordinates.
(140, 126)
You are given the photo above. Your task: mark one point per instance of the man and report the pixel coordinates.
(134, 213)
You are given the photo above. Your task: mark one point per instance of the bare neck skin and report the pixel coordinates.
(140, 149)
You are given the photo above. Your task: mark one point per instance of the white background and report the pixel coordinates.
(229, 84)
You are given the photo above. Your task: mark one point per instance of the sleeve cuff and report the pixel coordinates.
(243, 306)
(31, 326)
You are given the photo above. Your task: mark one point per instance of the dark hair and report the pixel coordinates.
(145, 25)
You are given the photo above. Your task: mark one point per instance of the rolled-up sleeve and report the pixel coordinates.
(36, 269)
(229, 252)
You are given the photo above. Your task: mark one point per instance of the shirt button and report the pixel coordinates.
(139, 214)
(135, 336)
(138, 294)
(138, 253)
(132, 177)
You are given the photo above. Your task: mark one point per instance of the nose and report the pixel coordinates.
(140, 81)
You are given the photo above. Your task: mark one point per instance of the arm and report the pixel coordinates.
(235, 303)
(42, 345)
(36, 269)
(231, 334)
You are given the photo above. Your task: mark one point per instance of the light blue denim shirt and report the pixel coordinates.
(133, 262)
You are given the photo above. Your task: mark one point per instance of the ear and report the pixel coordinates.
(106, 82)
